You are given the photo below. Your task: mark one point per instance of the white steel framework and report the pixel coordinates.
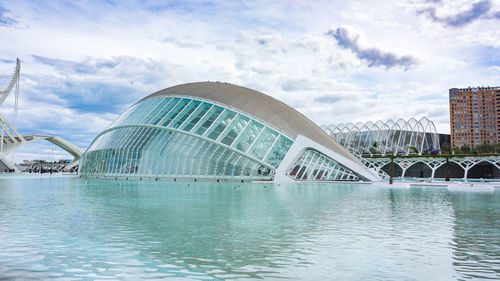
(384, 138)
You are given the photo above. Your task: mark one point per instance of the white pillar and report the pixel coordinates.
(404, 172)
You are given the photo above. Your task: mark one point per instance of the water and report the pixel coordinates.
(69, 228)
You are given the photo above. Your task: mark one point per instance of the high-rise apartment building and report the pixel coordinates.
(474, 116)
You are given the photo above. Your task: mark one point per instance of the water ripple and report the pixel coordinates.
(63, 229)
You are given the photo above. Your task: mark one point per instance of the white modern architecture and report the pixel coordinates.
(401, 137)
(11, 139)
(218, 131)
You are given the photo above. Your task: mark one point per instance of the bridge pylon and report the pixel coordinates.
(11, 139)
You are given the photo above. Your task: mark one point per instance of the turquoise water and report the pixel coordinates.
(69, 228)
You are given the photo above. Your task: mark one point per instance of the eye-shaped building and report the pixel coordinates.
(219, 131)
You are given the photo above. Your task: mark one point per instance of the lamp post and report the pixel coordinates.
(447, 169)
(392, 169)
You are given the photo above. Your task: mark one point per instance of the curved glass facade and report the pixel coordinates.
(315, 166)
(173, 136)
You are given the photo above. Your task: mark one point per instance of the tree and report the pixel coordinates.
(372, 150)
(446, 148)
(414, 149)
(466, 149)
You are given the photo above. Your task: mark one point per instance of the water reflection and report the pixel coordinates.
(476, 241)
(82, 228)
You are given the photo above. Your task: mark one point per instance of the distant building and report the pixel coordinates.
(474, 116)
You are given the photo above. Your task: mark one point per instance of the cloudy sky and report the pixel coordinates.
(84, 62)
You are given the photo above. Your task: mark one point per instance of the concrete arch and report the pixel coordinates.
(493, 162)
(454, 171)
(11, 140)
(12, 144)
(459, 167)
(398, 171)
(421, 174)
(484, 169)
(418, 170)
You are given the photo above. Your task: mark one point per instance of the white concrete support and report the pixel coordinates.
(302, 143)
(376, 164)
(466, 163)
(404, 164)
(404, 172)
(434, 164)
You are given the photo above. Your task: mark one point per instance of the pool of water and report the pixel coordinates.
(70, 228)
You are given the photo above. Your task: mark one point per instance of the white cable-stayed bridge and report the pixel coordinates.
(10, 138)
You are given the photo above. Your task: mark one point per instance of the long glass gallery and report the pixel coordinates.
(182, 134)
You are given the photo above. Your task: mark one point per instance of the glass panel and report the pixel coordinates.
(209, 118)
(173, 113)
(123, 116)
(154, 120)
(235, 129)
(155, 152)
(196, 116)
(145, 107)
(278, 151)
(154, 103)
(220, 124)
(184, 114)
(314, 165)
(248, 136)
(139, 108)
(162, 102)
(264, 143)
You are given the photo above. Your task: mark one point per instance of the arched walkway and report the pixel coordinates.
(435, 167)
(454, 170)
(483, 170)
(418, 170)
(398, 172)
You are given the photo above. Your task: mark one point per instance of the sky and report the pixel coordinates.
(85, 62)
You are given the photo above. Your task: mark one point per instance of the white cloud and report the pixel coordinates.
(83, 63)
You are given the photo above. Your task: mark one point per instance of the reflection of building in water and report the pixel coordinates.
(476, 232)
(212, 226)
